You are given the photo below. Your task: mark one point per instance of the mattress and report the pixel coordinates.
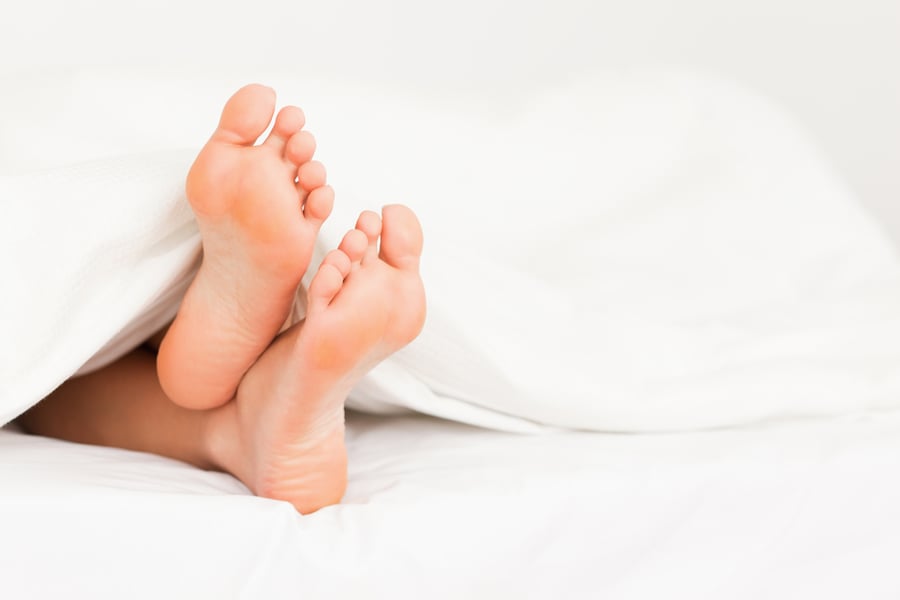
(806, 508)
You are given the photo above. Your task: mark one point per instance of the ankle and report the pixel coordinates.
(221, 442)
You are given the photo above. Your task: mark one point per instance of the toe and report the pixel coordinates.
(401, 237)
(339, 260)
(246, 115)
(311, 175)
(323, 287)
(289, 121)
(300, 147)
(318, 204)
(370, 224)
(354, 245)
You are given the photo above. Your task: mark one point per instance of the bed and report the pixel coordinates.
(705, 404)
(446, 510)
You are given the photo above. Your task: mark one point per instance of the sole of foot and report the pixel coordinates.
(259, 209)
(284, 434)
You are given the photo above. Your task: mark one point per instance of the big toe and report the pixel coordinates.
(246, 115)
(401, 237)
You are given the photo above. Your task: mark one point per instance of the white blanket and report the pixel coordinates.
(650, 253)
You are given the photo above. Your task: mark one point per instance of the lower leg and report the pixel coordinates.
(122, 405)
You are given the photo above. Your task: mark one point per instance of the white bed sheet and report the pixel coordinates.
(437, 509)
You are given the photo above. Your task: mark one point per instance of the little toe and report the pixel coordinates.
(318, 204)
(354, 245)
(401, 237)
(300, 147)
(289, 121)
(310, 176)
(246, 115)
(324, 286)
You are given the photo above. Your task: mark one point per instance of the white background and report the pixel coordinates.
(834, 64)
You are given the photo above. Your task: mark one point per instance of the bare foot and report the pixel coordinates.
(259, 209)
(284, 434)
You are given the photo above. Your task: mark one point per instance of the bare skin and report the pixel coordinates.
(363, 305)
(283, 435)
(259, 209)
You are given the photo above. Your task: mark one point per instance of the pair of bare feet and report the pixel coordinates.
(278, 424)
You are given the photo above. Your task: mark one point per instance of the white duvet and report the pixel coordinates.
(659, 252)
